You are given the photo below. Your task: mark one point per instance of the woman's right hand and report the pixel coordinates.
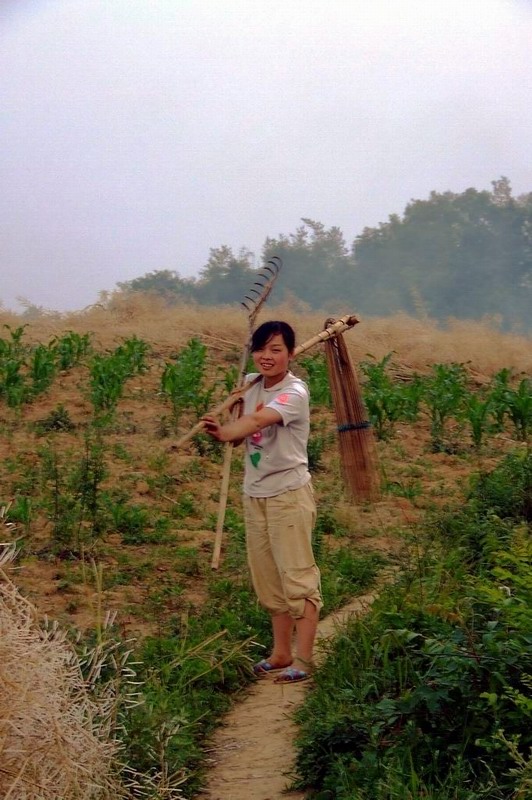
(212, 426)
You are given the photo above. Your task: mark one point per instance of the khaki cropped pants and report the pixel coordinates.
(279, 547)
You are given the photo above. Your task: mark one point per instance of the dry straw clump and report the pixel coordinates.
(54, 737)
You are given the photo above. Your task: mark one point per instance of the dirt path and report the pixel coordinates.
(252, 753)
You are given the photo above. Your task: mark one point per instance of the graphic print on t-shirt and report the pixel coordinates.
(256, 439)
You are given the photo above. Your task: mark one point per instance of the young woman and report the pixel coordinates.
(279, 507)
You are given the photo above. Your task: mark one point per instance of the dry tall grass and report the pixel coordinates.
(54, 737)
(417, 343)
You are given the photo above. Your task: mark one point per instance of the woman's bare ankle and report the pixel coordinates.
(307, 665)
(280, 659)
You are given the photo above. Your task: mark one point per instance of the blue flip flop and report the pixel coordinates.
(265, 667)
(292, 675)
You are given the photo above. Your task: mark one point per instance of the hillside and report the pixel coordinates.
(109, 517)
(139, 452)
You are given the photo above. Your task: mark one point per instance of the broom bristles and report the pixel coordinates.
(356, 441)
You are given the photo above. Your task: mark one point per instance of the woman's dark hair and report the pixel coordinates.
(264, 333)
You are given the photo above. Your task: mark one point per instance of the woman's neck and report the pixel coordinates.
(269, 383)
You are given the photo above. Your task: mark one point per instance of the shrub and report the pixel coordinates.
(429, 694)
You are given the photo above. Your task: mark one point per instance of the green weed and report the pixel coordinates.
(345, 573)
(185, 506)
(21, 512)
(136, 523)
(317, 379)
(57, 420)
(187, 679)
(318, 442)
(72, 493)
(411, 488)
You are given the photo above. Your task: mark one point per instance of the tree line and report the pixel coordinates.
(466, 255)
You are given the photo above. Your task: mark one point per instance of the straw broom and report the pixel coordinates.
(355, 435)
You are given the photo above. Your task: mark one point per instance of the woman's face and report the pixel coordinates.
(272, 360)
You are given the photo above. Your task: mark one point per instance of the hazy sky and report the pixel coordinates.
(137, 134)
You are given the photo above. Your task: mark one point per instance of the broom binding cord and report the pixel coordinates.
(353, 426)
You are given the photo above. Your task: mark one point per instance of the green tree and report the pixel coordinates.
(464, 255)
(226, 278)
(316, 264)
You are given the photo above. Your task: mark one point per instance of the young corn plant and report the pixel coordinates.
(42, 368)
(383, 398)
(519, 405)
(25, 372)
(412, 394)
(14, 347)
(476, 411)
(13, 385)
(109, 373)
(445, 390)
(70, 348)
(132, 353)
(500, 385)
(182, 381)
(107, 380)
(317, 379)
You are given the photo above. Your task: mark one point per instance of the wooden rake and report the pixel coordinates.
(253, 303)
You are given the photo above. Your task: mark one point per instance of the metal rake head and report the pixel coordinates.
(253, 301)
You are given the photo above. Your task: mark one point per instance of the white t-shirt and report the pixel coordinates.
(276, 457)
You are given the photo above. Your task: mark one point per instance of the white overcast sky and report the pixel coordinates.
(135, 135)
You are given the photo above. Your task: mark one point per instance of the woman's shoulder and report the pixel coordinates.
(292, 385)
(297, 383)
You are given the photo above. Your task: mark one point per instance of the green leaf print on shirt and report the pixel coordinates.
(255, 458)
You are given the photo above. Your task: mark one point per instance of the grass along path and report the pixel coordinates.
(252, 752)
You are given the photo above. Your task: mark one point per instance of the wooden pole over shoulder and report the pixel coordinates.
(340, 326)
